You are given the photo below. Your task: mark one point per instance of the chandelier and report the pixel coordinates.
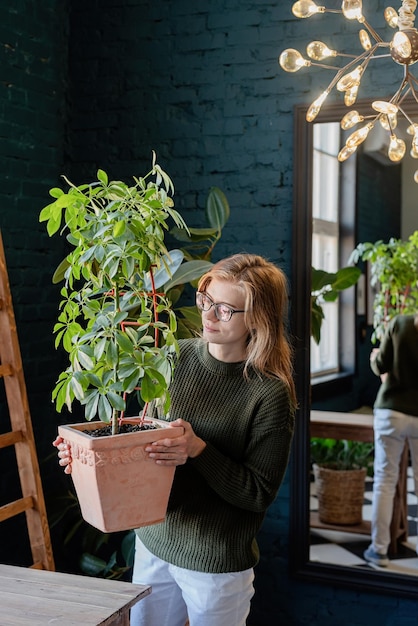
(401, 49)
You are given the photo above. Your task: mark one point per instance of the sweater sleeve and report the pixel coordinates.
(252, 482)
(383, 361)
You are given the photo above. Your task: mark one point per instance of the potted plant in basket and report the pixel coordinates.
(118, 329)
(340, 468)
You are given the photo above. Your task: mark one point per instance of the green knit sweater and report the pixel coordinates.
(398, 357)
(219, 499)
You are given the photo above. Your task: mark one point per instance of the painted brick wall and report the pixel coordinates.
(196, 82)
(33, 71)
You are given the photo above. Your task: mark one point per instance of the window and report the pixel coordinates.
(332, 211)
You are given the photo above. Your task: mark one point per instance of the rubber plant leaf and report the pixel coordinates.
(217, 208)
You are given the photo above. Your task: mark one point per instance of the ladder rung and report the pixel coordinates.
(9, 439)
(14, 508)
(31, 500)
(6, 370)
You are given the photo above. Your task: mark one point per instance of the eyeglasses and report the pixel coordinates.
(223, 312)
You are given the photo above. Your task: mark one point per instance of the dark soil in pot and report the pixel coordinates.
(106, 431)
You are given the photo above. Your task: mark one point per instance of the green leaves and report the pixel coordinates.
(341, 454)
(217, 208)
(103, 177)
(187, 273)
(116, 327)
(116, 321)
(201, 241)
(325, 287)
(394, 277)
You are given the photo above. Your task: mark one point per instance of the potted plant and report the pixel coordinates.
(118, 328)
(340, 468)
(394, 277)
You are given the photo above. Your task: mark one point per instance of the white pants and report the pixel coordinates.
(391, 430)
(180, 594)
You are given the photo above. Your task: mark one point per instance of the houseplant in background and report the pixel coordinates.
(340, 468)
(118, 328)
(198, 246)
(80, 548)
(394, 278)
(326, 287)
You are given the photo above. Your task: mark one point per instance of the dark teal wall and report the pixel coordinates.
(33, 74)
(198, 82)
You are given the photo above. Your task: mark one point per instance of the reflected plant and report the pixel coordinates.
(394, 278)
(342, 454)
(326, 287)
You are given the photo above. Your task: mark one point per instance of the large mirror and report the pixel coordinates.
(378, 580)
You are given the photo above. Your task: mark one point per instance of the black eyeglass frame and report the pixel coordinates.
(216, 305)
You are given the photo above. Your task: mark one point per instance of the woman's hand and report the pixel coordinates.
(164, 452)
(374, 353)
(64, 454)
(176, 451)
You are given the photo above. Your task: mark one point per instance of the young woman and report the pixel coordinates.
(234, 395)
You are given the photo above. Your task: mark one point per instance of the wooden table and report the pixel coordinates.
(359, 427)
(40, 597)
(336, 425)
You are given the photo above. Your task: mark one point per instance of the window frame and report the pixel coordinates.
(345, 357)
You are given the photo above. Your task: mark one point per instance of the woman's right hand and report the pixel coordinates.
(64, 454)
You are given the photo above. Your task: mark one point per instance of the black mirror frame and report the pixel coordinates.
(300, 566)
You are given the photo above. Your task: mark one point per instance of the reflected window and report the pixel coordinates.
(325, 237)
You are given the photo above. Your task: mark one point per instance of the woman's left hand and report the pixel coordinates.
(176, 451)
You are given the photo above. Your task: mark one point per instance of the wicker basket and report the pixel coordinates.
(340, 495)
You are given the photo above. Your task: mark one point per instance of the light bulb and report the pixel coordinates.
(385, 107)
(389, 122)
(315, 107)
(416, 176)
(317, 50)
(350, 119)
(350, 96)
(346, 152)
(352, 9)
(306, 8)
(414, 153)
(391, 17)
(389, 119)
(412, 129)
(365, 39)
(291, 60)
(356, 138)
(401, 45)
(397, 148)
(404, 47)
(350, 80)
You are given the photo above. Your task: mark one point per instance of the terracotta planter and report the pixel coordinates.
(117, 485)
(340, 495)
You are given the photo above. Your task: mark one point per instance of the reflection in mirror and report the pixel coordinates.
(374, 199)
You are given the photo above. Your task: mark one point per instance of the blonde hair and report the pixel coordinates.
(266, 303)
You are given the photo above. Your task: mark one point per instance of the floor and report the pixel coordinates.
(341, 548)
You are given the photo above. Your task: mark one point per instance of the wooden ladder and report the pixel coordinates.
(32, 502)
